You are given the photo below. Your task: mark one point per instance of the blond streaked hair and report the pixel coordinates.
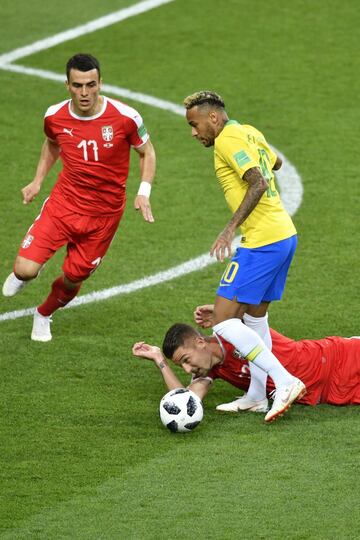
(204, 97)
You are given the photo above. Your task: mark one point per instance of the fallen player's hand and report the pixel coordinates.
(149, 352)
(203, 315)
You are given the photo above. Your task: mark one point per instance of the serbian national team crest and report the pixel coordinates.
(237, 354)
(107, 133)
(27, 241)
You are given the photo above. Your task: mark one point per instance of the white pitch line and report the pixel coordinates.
(92, 26)
(288, 179)
(182, 269)
(116, 90)
(290, 184)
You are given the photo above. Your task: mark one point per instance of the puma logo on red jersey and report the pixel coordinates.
(69, 131)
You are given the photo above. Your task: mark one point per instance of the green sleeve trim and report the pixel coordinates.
(142, 131)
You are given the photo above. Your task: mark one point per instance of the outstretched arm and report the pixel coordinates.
(147, 173)
(48, 156)
(151, 352)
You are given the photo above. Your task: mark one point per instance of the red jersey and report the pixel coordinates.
(329, 368)
(95, 152)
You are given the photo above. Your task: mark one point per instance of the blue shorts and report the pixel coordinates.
(259, 274)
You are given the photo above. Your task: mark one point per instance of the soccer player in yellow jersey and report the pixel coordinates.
(256, 275)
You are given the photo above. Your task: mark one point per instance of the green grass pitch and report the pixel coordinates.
(83, 454)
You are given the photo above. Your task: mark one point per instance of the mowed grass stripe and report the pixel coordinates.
(228, 486)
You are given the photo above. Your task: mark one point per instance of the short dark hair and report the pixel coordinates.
(82, 62)
(176, 336)
(204, 97)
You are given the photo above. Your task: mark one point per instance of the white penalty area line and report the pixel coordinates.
(87, 28)
(177, 271)
(288, 178)
(116, 90)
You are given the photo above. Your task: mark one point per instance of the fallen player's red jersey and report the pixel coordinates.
(329, 367)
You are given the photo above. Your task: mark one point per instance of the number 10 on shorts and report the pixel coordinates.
(230, 273)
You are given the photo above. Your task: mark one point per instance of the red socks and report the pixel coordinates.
(59, 297)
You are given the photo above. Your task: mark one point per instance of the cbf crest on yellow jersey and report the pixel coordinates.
(237, 149)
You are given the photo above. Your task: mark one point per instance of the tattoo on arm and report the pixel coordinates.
(257, 186)
(162, 364)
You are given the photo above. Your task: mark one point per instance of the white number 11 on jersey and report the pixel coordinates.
(84, 144)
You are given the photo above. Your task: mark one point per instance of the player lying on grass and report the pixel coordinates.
(337, 383)
(184, 345)
(329, 367)
(197, 354)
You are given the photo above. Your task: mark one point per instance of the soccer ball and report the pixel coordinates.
(181, 410)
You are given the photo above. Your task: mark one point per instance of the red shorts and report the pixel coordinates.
(343, 387)
(87, 238)
(329, 367)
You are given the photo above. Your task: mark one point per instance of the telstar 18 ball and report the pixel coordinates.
(181, 410)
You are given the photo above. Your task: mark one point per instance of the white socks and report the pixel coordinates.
(253, 349)
(257, 388)
(260, 325)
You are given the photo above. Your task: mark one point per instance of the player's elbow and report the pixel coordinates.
(150, 150)
(262, 186)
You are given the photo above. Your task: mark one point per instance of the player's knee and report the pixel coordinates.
(25, 269)
(230, 311)
(218, 317)
(72, 283)
(237, 333)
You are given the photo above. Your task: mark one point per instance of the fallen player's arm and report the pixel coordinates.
(200, 386)
(153, 353)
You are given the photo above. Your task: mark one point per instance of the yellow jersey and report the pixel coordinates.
(237, 149)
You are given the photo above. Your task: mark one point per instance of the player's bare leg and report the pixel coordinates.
(225, 309)
(25, 270)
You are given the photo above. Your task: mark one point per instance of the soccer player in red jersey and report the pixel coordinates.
(329, 367)
(92, 135)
